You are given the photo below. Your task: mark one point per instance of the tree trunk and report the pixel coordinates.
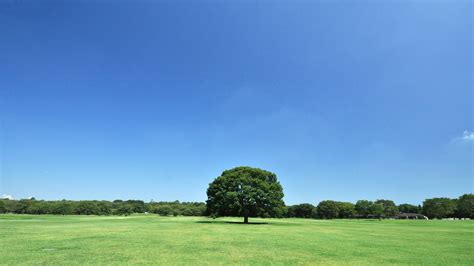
(246, 216)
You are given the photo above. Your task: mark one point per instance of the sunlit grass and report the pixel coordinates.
(27, 239)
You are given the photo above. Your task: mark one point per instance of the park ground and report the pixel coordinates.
(151, 239)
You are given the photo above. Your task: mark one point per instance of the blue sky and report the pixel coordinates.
(343, 100)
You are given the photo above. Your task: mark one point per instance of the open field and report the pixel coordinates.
(29, 239)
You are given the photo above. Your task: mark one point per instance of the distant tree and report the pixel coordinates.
(187, 212)
(124, 209)
(362, 207)
(389, 207)
(376, 209)
(86, 208)
(163, 210)
(247, 192)
(65, 207)
(200, 209)
(17, 206)
(439, 207)
(2, 207)
(365, 208)
(38, 207)
(138, 206)
(465, 206)
(346, 209)
(408, 208)
(104, 208)
(192, 209)
(304, 210)
(62, 207)
(328, 209)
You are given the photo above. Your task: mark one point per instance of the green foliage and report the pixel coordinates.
(247, 192)
(176, 208)
(376, 210)
(138, 206)
(439, 207)
(367, 209)
(124, 209)
(104, 208)
(92, 207)
(37, 207)
(304, 210)
(86, 208)
(328, 209)
(163, 210)
(362, 207)
(465, 206)
(346, 210)
(408, 208)
(389, 207)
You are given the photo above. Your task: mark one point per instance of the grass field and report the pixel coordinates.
(145, 239)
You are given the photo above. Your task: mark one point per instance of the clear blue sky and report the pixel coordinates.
(343, 100)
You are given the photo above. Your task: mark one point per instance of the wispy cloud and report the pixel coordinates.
(6, 196)
(468, 136)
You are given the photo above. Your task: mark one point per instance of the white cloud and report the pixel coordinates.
(6, 196)
(468, 136)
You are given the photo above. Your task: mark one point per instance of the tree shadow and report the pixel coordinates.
(230, 222)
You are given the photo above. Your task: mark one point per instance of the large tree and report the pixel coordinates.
(246, 192)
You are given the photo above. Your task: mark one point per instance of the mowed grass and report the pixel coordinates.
(150, 239)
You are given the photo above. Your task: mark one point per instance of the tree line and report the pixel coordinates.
(462, 207)
(101, 207)
(253, 192)
(247, 192)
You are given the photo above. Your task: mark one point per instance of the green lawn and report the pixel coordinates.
(28, 239)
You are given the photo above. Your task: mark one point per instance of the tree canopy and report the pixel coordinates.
(245, 192)
(439, 207)
(304, 210)
(409, 208)
(389, 207)
(465, 206)
(328, 209)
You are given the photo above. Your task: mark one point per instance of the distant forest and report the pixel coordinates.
(462, 207)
